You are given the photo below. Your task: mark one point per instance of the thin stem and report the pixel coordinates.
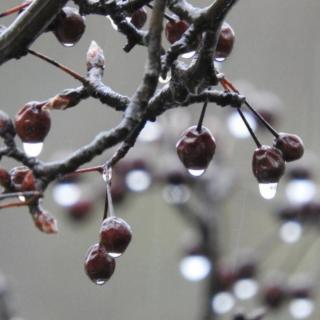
(165, 15)
(98, 169)
(108, 207)
(254, 137)
(4, 196)
(15, 9)
(203, 112)
(60, 66)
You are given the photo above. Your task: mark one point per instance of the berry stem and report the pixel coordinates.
(98, 169)
(203, 112)
(108, 206)
(165, 15)
(65, 69)
(254, 137)
(15, 9)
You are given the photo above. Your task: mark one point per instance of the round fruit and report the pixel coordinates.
(225, 42)
(196, 149)
(32, 122)
(175, 29)
(98, 265)
(69, 26)
(267, 164)
(115, 235)
(139, 18)
(291, 146)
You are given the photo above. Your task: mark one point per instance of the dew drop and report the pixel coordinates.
(188, 55)
(166, 80)
(32, 149)
(114, 254)
(268, 190)
(220, 59)
(69, 45)
(196, 173)
(100, 282)
(113, 25)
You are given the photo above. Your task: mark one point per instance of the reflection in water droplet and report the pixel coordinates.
(22, 198)
(188, 55)
(222, 303)
(100, 282)
(268, 190)
(195, 267)
(196, 173)
(66, 194)
(114, 254)
(138, 180)
(113, 25)
(166, 80)
(220, 59)
(176, 194)
(32, 149)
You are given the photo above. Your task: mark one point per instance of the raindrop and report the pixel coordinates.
(166, 80)
(196, 173)
(195, 267)
(32, 149)
(100, 282)
(222, 303)
(114, 254)
(138, 180)
(268, 190)
(68, 44)
(220, 59)
(245, 289)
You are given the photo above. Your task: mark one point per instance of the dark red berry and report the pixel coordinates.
(44, 221)
(291, 146)
(115, 235)
(175, 29)
(32, 122)
(29, 182)
(196, 149)
(6, 125)
(69, 26)
(139, 18)
(268, 164)
(17, 176)
(225, 42)
(5, 178)
(98, 265)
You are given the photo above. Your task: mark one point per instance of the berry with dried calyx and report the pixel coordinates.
(17, 175)
(195, 149)
(44, 221)
(115, 235)
(29, 182)
(98, 265)
(175, 29)
(225, 42)
(69, 26)
(268, 164)
(139, 18)
(291, 146)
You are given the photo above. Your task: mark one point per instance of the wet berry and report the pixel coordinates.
(175, 29)
(17, 176)
(139, 18)
(32, 122)
(69, 26)
(268, 164)
(98, 265)
(115, 235)
(225, 42)
(196, 149)
(291, 146)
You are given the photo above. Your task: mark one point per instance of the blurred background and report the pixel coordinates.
(275, 62)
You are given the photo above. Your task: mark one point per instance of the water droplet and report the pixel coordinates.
(138, 180)
(100, 282)
(301, 308)
(22, 198)
(195, 267)
(32, 149)
(268, 190)
(113, 25)
(196, 173)
(238, 128)
(176, 194)
(291, 232)
(220, 59)
(166, 80)
(69, 45)
(222, 303)
(66, 194)
(188, 55)
(300, 191)
(245, 289)
(114, 254)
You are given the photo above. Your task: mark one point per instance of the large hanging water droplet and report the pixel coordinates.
(115, 254)
(32, 149)
(188, 55)
(268, 190)
(166, 80)
(100, 282)
(196, 173)
(113, 25)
